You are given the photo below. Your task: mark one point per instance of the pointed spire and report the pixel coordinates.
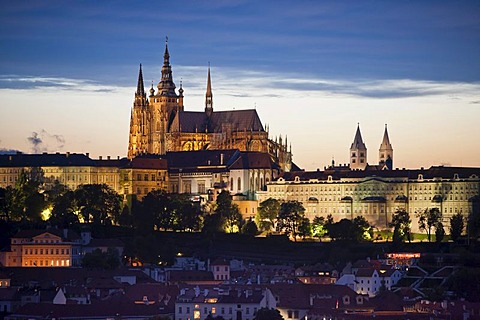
(166, 55)
(209, 94)
(140, 87)
(386, 140)
(358, 141)
(166, 86)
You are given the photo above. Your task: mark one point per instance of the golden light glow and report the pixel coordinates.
(46, 214)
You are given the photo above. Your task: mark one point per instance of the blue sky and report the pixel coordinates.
(313, 70)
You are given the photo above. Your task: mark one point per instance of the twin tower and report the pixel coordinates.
(358, 152)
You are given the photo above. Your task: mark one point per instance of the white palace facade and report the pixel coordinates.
(377, 191)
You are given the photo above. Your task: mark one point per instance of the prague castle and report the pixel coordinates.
(159, 124)
(376, 191)
(202, 153)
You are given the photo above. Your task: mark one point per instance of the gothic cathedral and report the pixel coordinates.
(159, 124)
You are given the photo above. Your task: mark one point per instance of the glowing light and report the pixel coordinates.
(46, 214)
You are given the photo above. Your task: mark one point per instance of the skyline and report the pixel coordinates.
(70, 70)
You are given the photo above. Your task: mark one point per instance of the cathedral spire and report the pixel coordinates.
(166, 86)
(140, 87)
(358, 152)
(385, 153)
(358, 141)
(209, 95)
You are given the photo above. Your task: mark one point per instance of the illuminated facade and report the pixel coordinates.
(159, 124)
(33, 248)
(375, 191)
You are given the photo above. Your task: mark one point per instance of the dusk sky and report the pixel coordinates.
(312, 69)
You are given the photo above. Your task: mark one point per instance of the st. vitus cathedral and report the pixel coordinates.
(159, 124)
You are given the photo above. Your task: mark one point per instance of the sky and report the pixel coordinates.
(313, 70)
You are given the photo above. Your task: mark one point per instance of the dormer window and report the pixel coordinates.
(346, 300)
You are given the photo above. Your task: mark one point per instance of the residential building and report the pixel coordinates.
(229, 302)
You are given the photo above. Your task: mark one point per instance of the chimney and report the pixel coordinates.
(68, 154)
(108, 157)
(87, 154)
(99, 157)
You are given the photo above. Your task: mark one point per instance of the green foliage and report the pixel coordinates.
(65, 211)
(289, 218)
(250, 228)
(169, 211)
(439, 232)
(26, 201)
(267, 213)
(428, 219)
(318, 227)
(401, 224)
(465, 283)
(98, 204)
(267, 314)
(228, 212)
(213, 223)
(305, 228)
(357, 229)
(457, 223)
(102, 260)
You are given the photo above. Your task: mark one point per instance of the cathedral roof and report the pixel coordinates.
(188, 160)
(253, 160)
(240, 120)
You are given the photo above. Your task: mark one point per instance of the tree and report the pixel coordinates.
(318, 227)
(101, 260)
(439, 232)
(401, 225)
(158, 205)
(361, 229)
(250, 228)
(228, 211)
(289, 218)
(98, 204)
(64, 211)
(457, 224)
(304, 228)
(428, 219)
(26, 201)
(267, 213)
(267, 314)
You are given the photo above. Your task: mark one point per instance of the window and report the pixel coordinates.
(239, 184)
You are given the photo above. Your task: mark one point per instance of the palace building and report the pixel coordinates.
(377, 191)
(159, 124)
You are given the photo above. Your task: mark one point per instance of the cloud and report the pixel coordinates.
(45, 142)
(235, 82)
(60, 83)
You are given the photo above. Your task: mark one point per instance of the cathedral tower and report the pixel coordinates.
(385, 153)
(164, 105)
(358, 152)
(209, 95)
(139, 121)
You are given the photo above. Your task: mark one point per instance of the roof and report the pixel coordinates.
(186, 160)
(411, 174)
(148, 163)
(239, 120)
(45, 160)
(253, 160)
(29, 234)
